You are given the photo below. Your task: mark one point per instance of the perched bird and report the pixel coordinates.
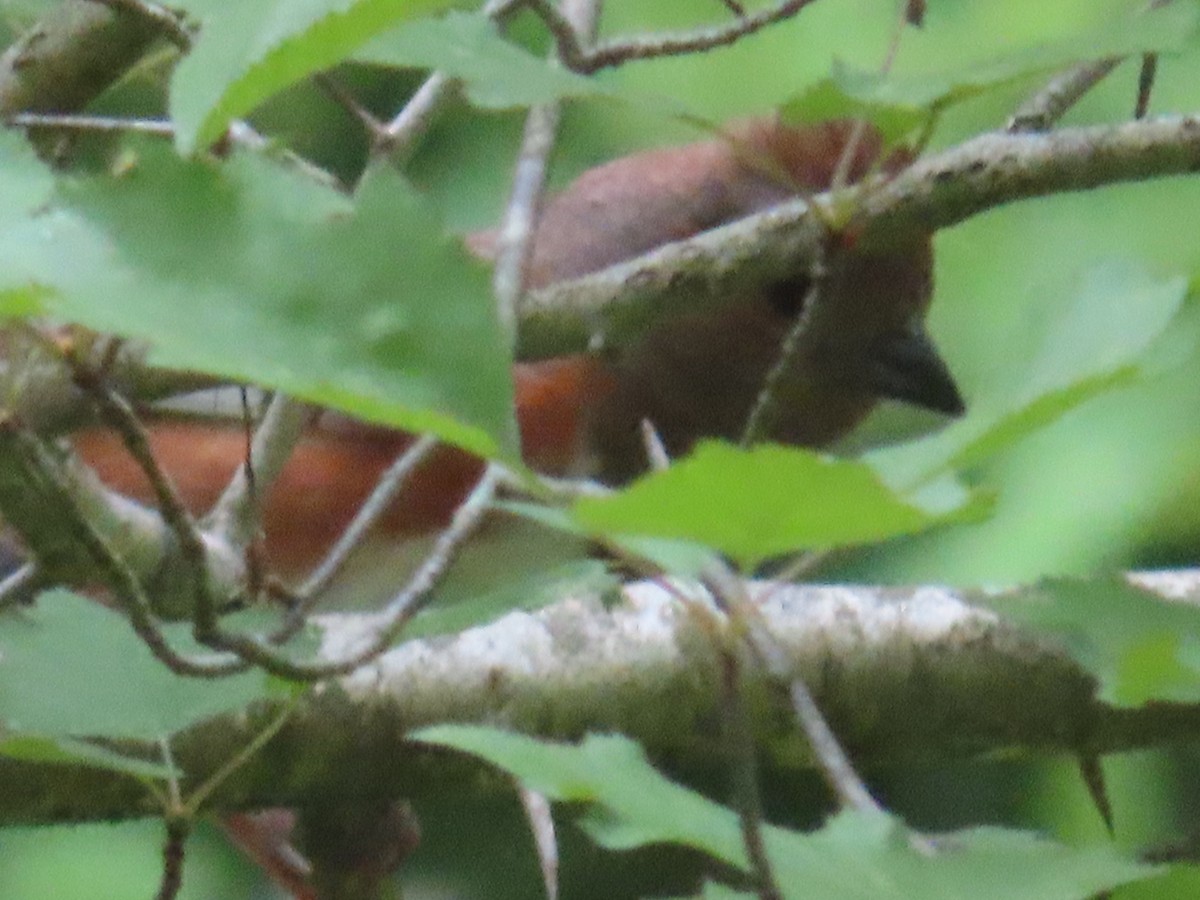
(694, 376)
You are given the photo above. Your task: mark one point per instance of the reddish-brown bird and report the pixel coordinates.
(695, 376)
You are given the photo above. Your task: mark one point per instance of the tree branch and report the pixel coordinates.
(899, 672)
(626, 300)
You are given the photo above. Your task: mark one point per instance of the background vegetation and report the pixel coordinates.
(1108, 486)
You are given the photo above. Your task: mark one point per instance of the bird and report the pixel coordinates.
(695, 376)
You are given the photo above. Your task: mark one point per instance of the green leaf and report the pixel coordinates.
(865, 856)
(250, 272)
(1168, 29)
(1181, 882)
(526, 594)
(69, 666)
(763, 502)
(1139, 646)
(250, 50)
(1082, 346)
(497, 74)
(65, 751)
(634, 804)
(679, 557)
(830, 99)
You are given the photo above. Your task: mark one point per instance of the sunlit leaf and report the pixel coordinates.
(762, 502)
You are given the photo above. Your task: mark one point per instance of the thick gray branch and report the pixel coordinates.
(900, 673)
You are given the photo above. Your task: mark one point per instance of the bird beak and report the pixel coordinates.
(906, 366)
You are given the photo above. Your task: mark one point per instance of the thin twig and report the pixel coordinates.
(343, 97)
(541, 825)
(1145, 84)
(239, 132)
(802, 565)
(1051, 102)
(607, 54)
(235, 516)
(656, 450)
(389, 485)
(835, 764)
(384, 626)
(245, 752)
(841, 172)
(119, 415)
(399, 138)
(757, 421)
(172, 25)
(515, 237)
(177, 830)
(743, 765)
(19, 586)
(113, 571)
(1063, 91)
(79, 122)
(730, 592)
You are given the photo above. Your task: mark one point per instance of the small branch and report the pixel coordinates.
(399, 138)
(934, 193)
(390, 483)
(177, 830)
(656, 450)
(832, 760)
(377, 631)
(841, 172)
(541, 826)
(757, 421)
(102, 124)
(514, 243)
(119, 415)
(169, 23)
(342, 96)
(1063, 91)
(742, 747)
(575, 55)
(236, 514)
(20, 586)
(77, 544)
(1145, 84)
(1051, 103)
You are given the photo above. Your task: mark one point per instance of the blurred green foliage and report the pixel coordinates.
(1111, 485)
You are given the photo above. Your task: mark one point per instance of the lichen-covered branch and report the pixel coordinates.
(900, 673)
